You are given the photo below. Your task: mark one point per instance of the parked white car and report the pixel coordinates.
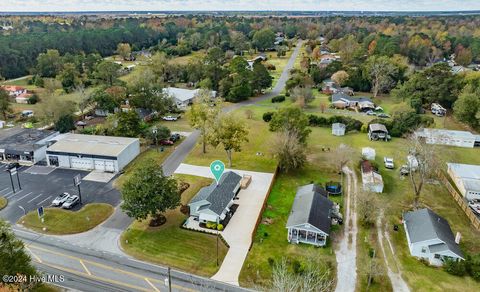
(388, 162)
(169, 118)
(71, 202)
(475, 206)
(60, 199)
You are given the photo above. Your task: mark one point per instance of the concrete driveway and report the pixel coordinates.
(238, 232)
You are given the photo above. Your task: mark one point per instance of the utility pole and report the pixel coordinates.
(18, 180)
(169, 281)
(76, 181)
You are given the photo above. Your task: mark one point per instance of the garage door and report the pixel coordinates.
(81, 163)
(109, 166)
(100, 165)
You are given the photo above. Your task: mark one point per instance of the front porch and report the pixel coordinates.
(296, 235)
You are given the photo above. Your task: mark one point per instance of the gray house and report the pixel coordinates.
(212, 203)
(429, 237)
(310, 218)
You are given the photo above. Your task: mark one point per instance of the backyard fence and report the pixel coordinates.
(460, 201)
(260, 216)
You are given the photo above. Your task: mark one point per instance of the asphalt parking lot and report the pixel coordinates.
(40, 185)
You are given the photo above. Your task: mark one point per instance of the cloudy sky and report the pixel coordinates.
(309, 5)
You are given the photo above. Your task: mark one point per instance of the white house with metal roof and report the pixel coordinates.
(430, 237)
(467, 179)
(92, 152)
(311, 216)
(183, 97)
(447, 137)
(212, 203)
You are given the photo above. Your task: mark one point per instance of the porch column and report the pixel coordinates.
(316, 235)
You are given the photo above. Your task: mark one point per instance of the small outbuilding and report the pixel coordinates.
(430, 237)
(368, 153)
(467, 179)
(377, 132)
(372, 180)
(311, 216)
(447, 137)
(338, 129)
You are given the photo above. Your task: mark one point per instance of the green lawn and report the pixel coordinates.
(270, 242)
(3, 203)
(191, 251)
(259, 142)
(59, 221)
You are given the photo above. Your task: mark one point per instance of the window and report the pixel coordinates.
(424, 249)
(437, 256)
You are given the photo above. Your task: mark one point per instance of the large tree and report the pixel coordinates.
(124, 50)
(13, 258)
(289, 153)
(202, 115)
(264, 39)
(467, 107)
(261, 78)
(231, 133)
(5, 106)
(49, 64)
(127, 124)
(107, 72)
(381, 72)
(434, 84)
(291, 119)
(148, 193)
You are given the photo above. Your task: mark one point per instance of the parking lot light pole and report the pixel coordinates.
(18, 180)
(76, 181)
(169, 281)
(11, 180)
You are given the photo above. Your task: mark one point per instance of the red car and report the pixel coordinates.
(166, 142)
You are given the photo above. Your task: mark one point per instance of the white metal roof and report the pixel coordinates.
(447, 133)
(183, 94)
(91, 144)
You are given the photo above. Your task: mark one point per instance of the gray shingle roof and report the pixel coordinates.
(219, 195)
(424, 224)
(340, 95)
(311, 206)
(378, 127)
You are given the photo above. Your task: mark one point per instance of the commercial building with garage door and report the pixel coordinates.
(92, 152)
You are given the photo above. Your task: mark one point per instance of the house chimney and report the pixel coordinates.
(457, 238)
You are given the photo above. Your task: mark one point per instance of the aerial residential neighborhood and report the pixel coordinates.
(240, 146)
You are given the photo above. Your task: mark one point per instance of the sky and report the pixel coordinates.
(217, 5)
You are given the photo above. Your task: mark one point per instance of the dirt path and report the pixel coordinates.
(346, 253)
(398, 284)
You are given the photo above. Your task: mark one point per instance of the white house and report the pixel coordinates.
(377, 132)
(92, 152)
(467, 179)
(372, 181)
(212, 203)
(447, 137)
(429, 237)
(14, 90)
(311, 216)
(184, 97)
(338, 129)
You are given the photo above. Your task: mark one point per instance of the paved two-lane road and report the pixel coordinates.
(179, 155)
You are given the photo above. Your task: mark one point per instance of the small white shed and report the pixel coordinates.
(2, 124)
(368, 153)
(338, 129)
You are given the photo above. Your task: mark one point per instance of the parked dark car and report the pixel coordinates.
(175, 137)
(384, 116)
(13, 165)
(166, 142)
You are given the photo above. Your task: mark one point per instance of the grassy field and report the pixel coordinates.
(59, 221)
(259, 142)
(397, 198)
(270, 243)
(150, 154)
(3, 203)
(171, 245)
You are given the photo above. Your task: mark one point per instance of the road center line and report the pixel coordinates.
(34, 198)
(85, 267)
(150, 283)
(34, 255)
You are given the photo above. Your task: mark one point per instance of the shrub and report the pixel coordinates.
(364, 129)
(455, 268)
(316, 121)
(297, 267)
(219, 227)
(33, 99)
(211, 225)
(271, 261)
(270, 66)
(267, 117)
(185, 209)
(278, 98)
